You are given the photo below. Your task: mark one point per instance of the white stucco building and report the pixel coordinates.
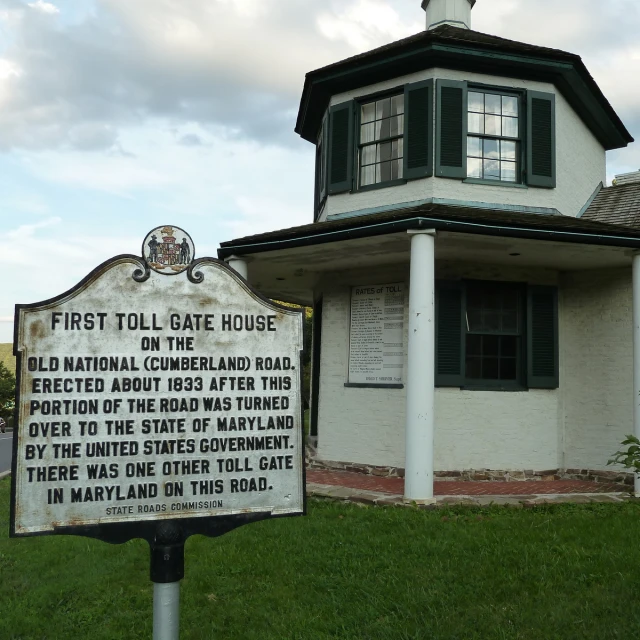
(470, 275)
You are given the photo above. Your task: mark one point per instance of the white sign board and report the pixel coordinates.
(169, 396)
(376, 342)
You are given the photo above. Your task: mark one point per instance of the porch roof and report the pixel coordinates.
(470, 220)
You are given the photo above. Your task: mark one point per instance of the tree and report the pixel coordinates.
(7, 392)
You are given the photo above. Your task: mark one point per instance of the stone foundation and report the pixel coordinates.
(475, 475)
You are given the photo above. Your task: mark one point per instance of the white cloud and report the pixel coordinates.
(44, 7)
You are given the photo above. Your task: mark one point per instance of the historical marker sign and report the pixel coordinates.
(376, 342)
(145, 398)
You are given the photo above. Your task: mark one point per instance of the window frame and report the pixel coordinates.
(521, 156)
(358, 104)
(490, 384)
(321, 182)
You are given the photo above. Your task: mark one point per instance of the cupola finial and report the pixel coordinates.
(454, 12)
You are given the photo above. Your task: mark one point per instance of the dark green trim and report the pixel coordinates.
(418, 130)
(495, 183)
(383, 185)
(429, 50)
(541, 140)
(451, 129)
(315, 367)
(449, 308)
(542, 338)
(340, 165)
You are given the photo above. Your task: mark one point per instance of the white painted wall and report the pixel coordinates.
(598, 365)
(581, 161)
(474, 429)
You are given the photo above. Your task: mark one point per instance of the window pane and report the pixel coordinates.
(383, 108)
(508, 150)
(474, 345)
(368, 155)
(508, 346)
(367, 132)
(474, 368)
(476, 102)
(384, 152)
(492, 125)
(508, 171)
(510, 127)
(476, 123)
(398, 148)
(382, 129)
(491, 346)
(491, 321)
(397, 105)
(492, 104)
(474, 168)
(368, 175)
(474, 147)
(490, 368)
(396, 126)
(397, 167)
(491, 169)
(508, 369)
(384, 172)
(509, 106)
(368, 112)
(491, 149)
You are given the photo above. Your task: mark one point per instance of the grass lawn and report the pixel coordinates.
(551, 573)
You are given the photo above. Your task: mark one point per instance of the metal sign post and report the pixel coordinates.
(157, 399)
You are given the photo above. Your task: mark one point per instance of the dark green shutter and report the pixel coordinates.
(449, 334)
(418, 132)
(451, 129)
(541, 139)
(542, 338)
(340, 147)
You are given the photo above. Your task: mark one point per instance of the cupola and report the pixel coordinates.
(456, 13)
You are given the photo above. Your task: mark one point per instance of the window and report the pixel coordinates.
(381, 142)
(496, 335)
(493, 326)
(495, 134)
(493, 146)
(502, 135)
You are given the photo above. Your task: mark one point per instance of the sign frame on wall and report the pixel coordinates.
(139, 279)
(376, 342)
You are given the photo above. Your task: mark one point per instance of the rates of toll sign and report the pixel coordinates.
(147, 395)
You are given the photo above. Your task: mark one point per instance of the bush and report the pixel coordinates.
(630, 457)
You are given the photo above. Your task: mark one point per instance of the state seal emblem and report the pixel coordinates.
(168, 250)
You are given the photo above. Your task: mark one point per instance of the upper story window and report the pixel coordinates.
(479, 132)
(381, 143)
(493, 136)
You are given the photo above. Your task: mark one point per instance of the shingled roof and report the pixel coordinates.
(616, 205)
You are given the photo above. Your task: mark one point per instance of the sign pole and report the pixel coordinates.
(167, 569)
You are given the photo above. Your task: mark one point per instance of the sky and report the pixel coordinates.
(117, 116)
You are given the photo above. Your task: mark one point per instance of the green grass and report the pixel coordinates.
(344, 571)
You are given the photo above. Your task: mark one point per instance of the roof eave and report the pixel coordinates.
(566, 71)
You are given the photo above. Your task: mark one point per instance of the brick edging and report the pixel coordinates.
(478, 475)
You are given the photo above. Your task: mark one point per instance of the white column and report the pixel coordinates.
(239, 265)
(636, 356)
(418, 478)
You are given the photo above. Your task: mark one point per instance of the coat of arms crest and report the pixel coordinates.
(168, 249)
